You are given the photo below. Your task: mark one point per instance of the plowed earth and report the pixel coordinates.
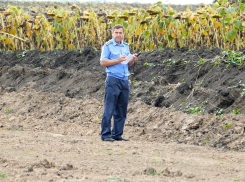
(51, 104)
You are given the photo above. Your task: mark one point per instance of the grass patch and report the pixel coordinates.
(8, 110)
(236, 111)
(2, 175)
(227, 125)
(109, 152)
(114, 178)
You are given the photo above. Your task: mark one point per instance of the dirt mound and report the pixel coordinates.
(188, 80)
(65, 89)
(52, 104)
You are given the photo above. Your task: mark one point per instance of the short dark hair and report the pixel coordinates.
(117, 27)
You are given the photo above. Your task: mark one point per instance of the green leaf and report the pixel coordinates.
(147, 33)
(146, 40)
(170, 38)
(161, 25)
(230, 10)
(125, 25)
(231, 35)
(238, 24)
(58, 38)
(227, 20)
(221, 12)
(61, 29)
(120, 21)
(242, 6)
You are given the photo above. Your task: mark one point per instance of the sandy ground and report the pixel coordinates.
(43, 156)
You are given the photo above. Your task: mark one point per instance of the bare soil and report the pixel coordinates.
(52, 103)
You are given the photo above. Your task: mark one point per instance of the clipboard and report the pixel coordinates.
(129, 58)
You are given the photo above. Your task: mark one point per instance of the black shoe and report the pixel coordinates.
(108, 139)
(121, 139)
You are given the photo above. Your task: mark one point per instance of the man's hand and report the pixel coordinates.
(122, 58)
(133, 60)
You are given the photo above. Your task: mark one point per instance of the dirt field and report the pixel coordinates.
(52, 103)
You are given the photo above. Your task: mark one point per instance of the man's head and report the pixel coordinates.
(118, 33)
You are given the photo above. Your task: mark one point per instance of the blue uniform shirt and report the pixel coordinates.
(111, 50)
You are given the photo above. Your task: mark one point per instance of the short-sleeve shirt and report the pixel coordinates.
(111, 50)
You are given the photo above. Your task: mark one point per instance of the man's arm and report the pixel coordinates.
(105, 61)
(108, 62)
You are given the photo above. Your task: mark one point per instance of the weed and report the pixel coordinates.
(109, 152)
(236, 179)
(80, 51)
(153, 94)
(133, 81)
(18, 129)
(42, 57)
(205, 102)
(182, 80)
(152, 174)
(28, 153)
(235, 58)
(3, 130)
(170, 107)
(195, 110)
(186, 62)
(219, 112)
(236, 111)
(122, 153)
(2, 175)
(100, 150)
(114, 178)
(8, 110)
(217, 62)
(156, 153)
(200, 82)
(227, 125)
(137, 84)
(243, 92)
(205, 142)
(183, 103)
(22, 55)
(165, 61)
(135, 91)
(84, 87)
(201, 61)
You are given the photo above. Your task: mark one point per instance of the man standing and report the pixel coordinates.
(117, 86)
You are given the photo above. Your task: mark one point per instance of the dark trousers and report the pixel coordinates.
(116, 103)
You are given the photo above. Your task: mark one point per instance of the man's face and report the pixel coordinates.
(118, 35)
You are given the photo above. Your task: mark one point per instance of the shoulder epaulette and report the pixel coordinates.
(125, 43)
(109, 42)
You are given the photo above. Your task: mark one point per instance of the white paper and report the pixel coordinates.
(128, 59)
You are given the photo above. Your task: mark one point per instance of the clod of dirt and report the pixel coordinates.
(149, 170)
(45, 163)
(30, 169)
(10, 89)
(183, 87)
(178, 173)
(2, 161)
(190, 176)
(167, 172)
(67, 167)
